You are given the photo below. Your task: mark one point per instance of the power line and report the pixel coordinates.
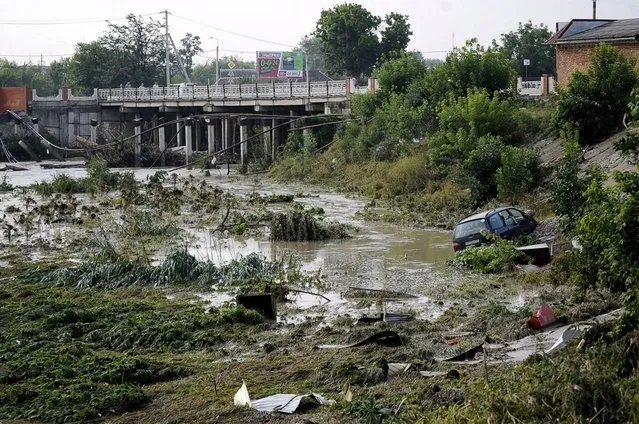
(70, 21)
(35, 55)
(232, 32)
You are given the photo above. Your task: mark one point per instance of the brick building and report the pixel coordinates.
(574, 41)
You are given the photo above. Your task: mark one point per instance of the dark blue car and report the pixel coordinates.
(508, 222)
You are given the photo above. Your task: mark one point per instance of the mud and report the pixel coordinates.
(379, 256)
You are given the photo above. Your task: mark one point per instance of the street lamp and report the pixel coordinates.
(217, 57)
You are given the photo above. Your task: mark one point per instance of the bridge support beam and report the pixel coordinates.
(188, 147)
(161, 141)
(137, 148)
(243, 145)
(210, 135)
(276, 138)
(178, 126)
(268, 138)
(198, 135)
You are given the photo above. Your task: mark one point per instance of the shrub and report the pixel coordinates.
(496, 257)
(568, 186)
(520, 172)
(478, 114)
(396, 75)
(479, 169)
(596, 100)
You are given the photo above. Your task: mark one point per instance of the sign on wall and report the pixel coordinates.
(273, 65)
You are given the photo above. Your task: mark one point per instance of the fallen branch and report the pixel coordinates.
(307, 292)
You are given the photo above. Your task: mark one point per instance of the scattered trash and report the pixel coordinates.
(264, 303)
(357, 292)
(383, 338)
(396, 368)
(389, 318)
(242, 397)
(432, 373)
(458, 334)
(546, 342)
(539, 253)
(468, 355)
(285, 403)
(454, 341)
(541, 318)
(347, 393)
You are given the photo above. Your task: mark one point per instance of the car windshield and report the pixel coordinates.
(469, 228)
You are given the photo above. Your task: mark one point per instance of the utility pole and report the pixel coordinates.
(594, 9)
(167, 62)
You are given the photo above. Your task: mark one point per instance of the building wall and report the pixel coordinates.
(577, 57)
(14, 98)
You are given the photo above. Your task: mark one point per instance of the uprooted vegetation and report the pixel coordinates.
(302, 226)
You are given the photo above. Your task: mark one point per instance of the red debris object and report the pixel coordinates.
(541, 318)
(453, 341)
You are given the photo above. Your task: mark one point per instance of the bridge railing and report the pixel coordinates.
(227, 91)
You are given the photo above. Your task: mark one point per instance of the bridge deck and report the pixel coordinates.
(326, 90)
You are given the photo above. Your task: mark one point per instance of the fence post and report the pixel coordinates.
(240, 90)
(327, 88)
(224, 91)
(273, 84)
(257, 93)
(290, 86)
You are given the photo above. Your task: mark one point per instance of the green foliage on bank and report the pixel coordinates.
(594, 101)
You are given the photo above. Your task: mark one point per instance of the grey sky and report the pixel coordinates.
(283, 21)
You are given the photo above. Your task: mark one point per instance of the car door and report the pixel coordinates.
(524, 224)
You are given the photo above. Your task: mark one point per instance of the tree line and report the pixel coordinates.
(348, 41)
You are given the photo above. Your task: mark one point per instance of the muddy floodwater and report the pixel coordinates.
(378, 256)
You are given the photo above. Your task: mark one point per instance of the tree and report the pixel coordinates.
(138, 48)
(395, 35)
(311, 46)
(95, 65)
(595, 101)
(471, 66)
(396, 75)
(190, 47)
(528, 43)
(349, 39)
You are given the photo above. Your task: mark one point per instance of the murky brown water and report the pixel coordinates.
(379, 256)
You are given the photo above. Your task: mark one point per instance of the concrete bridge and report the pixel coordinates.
(231, 111)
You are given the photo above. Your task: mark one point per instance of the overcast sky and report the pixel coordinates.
(436, 24)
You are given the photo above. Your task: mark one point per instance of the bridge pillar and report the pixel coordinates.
(198, 135)
(137, 148)
(218, 135)
(178, 126)
(161, 141)
(268, 138)
(188, 147)
(243, 145)
(225, 140)
(210, 135)
(276, 138)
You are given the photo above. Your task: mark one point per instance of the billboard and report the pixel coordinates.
(273, 65)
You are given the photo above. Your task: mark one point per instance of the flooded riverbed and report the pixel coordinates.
(378, 256)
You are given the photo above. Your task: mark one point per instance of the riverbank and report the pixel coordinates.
(170, 346)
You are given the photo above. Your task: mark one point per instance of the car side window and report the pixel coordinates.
(509, 220)
(496, 222)
(519, 217)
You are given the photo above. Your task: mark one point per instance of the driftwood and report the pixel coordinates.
(11, 167)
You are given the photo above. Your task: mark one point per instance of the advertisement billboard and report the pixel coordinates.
(274, 65)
